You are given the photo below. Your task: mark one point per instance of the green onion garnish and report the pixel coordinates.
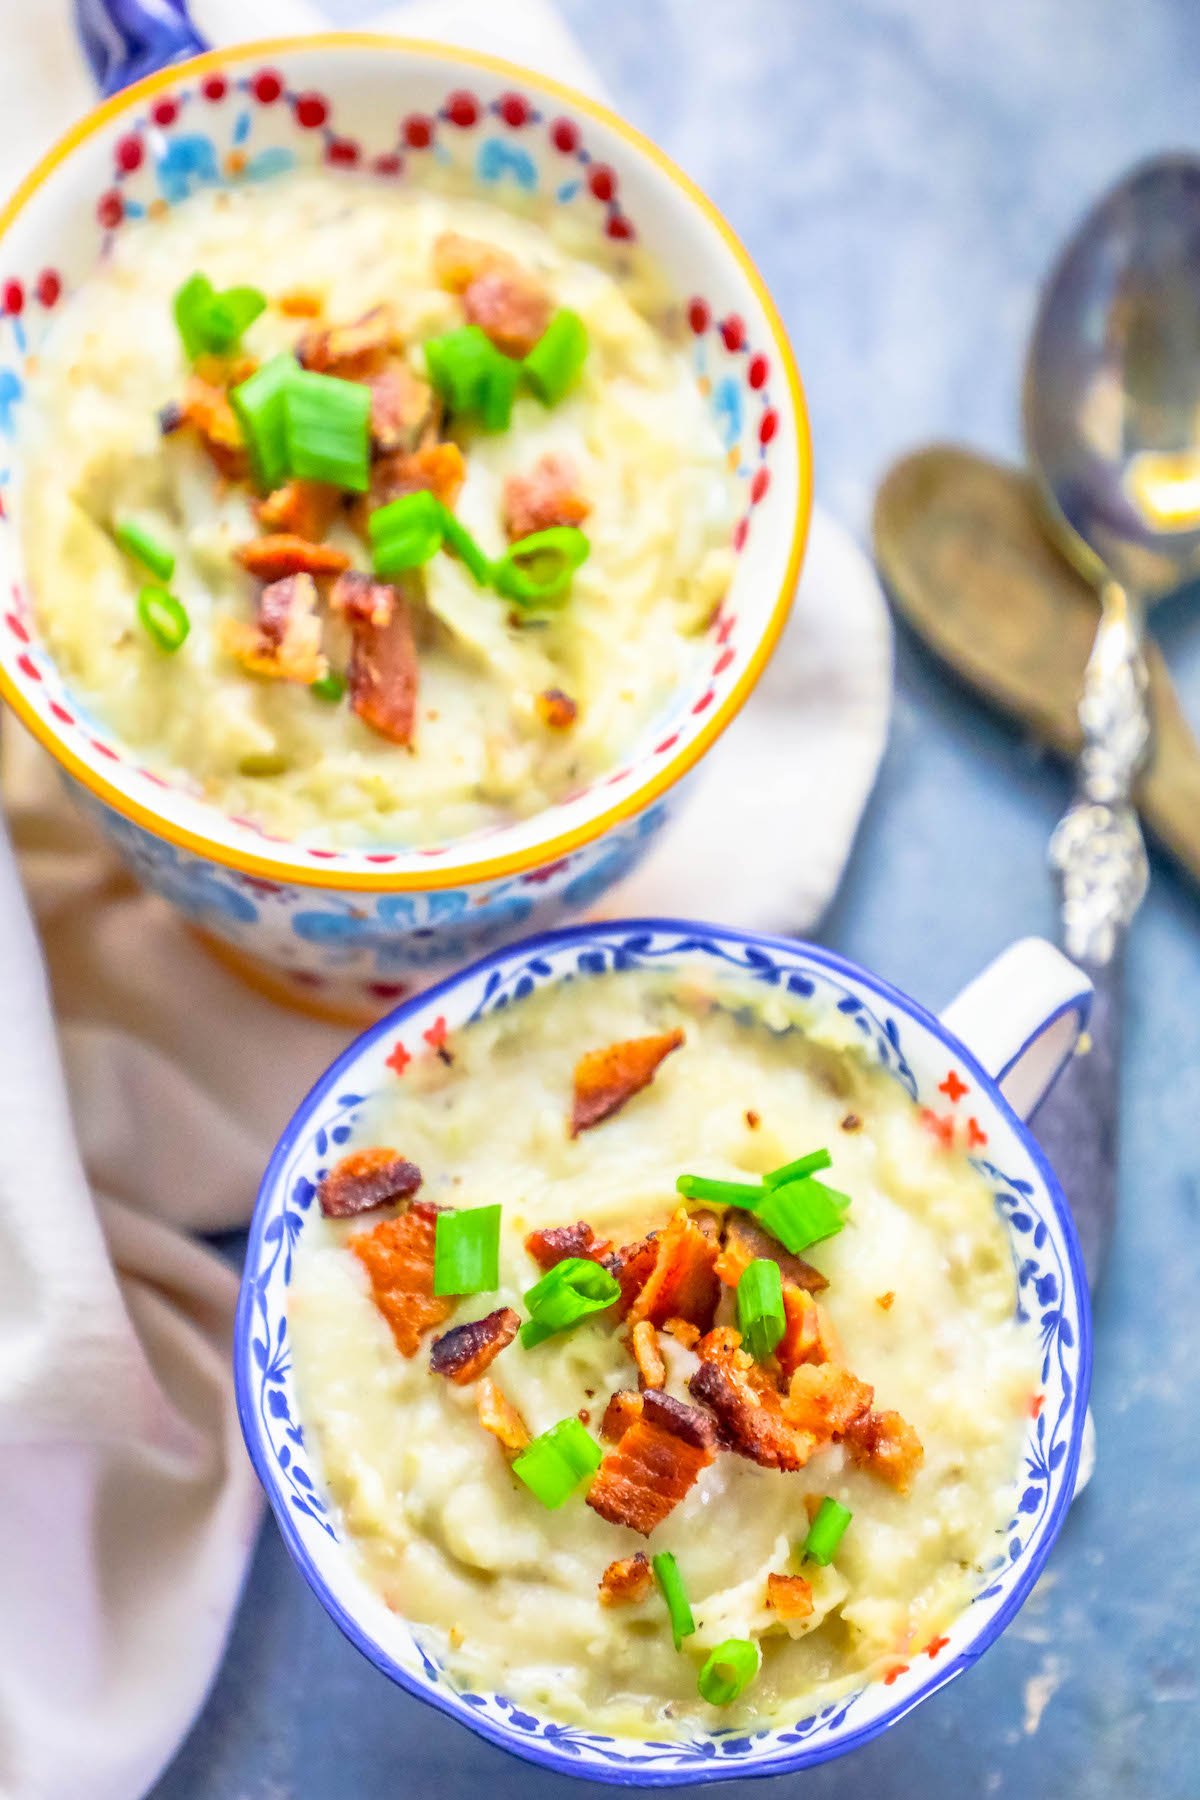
(729, 1670)
(259, 405)
(537, 570)
(144, 549)
(666, 1573)
(164, 617)
(327, 426)
(466, 1251)
(208, 321)
(472, 376)
(801, 1213)
(826, 1531)
(796, 1171)
(571, 1291)
(330, 686)
(557, 1461)
(761, 1318)
(557, 357)
(405, 533)
(468, 551)
(497, 393)
(720, 1193)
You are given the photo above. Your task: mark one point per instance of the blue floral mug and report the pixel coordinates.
(977, 1071)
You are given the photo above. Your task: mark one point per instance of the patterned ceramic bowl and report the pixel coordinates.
(363, 926)
(1021, 1017)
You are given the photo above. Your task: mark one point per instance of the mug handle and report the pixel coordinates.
(1022, 1018)
(126, 39)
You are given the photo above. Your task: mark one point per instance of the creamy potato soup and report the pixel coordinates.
(655, 1469)
(379, 516)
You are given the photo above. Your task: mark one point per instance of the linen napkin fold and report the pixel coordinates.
(127, 1508)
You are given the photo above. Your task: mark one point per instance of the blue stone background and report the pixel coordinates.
(903, 171)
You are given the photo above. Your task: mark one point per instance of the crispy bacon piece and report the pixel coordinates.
(304, 509)
(351, 351)
(643, 1341)
(366, 1179)
(398, 1257)
(655, 1462)
(683, 1331)
(435, 469)
(626, 1581)
(886, 1444)
(631, 1264)
(744, 1241)
(285, 639)
(789, 1596)
(383, 673)
(556, 710)
(498, 1415)
(547, 495)
(459, 260)
(748, 1410)
(682, 1283)
(623, 1408)
(205, 408)
(404, 409)
(801, 1341)
(606, 1079)
(825, 1400)
(283, 553)
(511, 305)
(560, 1241)
(301, 303)
(464, 1352)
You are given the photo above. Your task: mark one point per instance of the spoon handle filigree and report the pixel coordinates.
(1097, 849)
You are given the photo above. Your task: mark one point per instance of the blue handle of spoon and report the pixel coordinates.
(126, 39)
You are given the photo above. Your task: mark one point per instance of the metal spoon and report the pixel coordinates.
(1112, 430)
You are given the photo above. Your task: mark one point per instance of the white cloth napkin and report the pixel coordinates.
(127, 1507)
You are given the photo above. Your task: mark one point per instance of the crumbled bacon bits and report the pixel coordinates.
(683, 1331)
(626, 1581)
(622, 1409)
(548, 494)
(886, 1444)
(303, 509)
(643, 1341)
(885, 1302)
(205, 408)
(789, 1596)
(463, 1353)
(438, 469)
(749, 1411)
(498, 1415)
(682, 1281)
(631, 1264)
(282, 553)
(383, 676)
(404, 409)
(654, 1464)
(606, 1079)
(398, 1257)
(825, 1400)
(365, 1180)
(556, 710)
(301, 303)
(744, 1241)
(511, 305)
(560, 1241)
(459, 260)
(351, 351)
(284, 642)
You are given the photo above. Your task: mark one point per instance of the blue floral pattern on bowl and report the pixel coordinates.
(960, 1102)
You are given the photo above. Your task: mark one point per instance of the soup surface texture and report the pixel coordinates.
(496, 709)
(919, 1305)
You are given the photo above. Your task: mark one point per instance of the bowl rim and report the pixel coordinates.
(450, 870)
(546, 1753)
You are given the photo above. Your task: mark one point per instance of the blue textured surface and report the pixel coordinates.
(903, 170)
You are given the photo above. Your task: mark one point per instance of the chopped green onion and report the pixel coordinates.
(826, 1531)
(497, 392)
(144, 549)
(472, 376)
(761, 1318)
(405, 533)
(208, 321)
(469, 553)
(571, 1291)
(190, 305)
(330, 686)
(801, 1213)
(666, 1573)
(259, 405)
(795, 1171)
(729, 1670)
(557, 357)
(327, 428)
(537, 570)
(466, 1251)
(557, 1461)
(720, 1193)
(164, 617)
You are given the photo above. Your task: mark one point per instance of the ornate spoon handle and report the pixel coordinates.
(126, 39)
(1097, 848)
